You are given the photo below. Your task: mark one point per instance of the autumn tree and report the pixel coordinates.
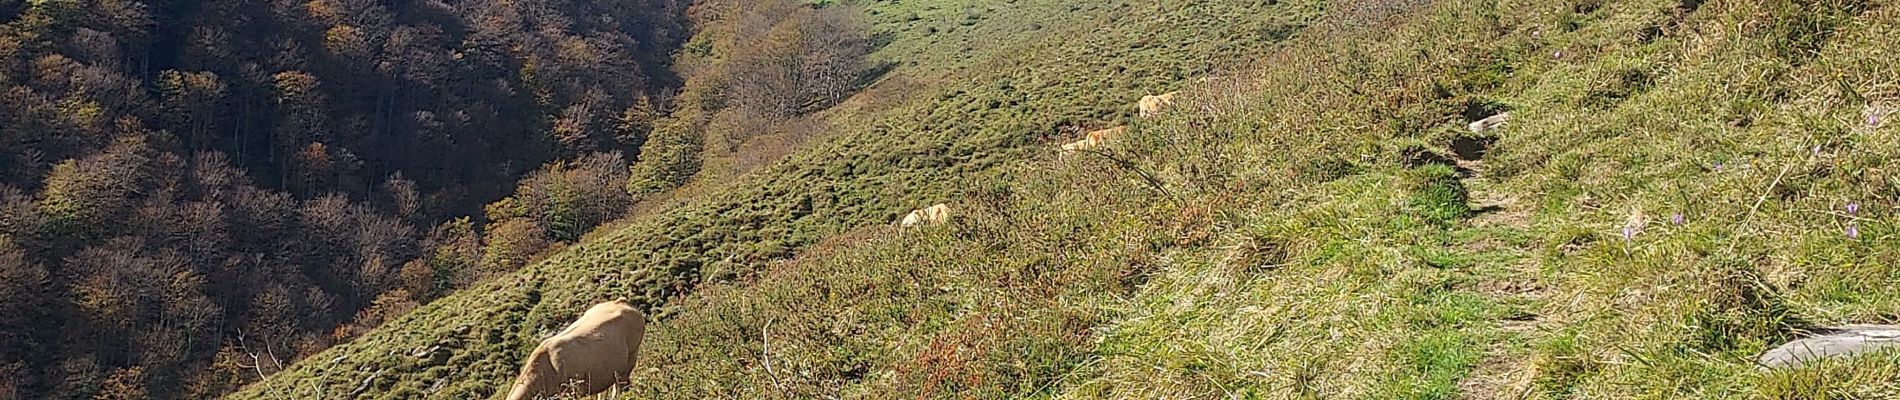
(568, 198)
(192, 102)
(558, 203)
(636, 122)
(124, 384)
(23, 289)
(148, 307)
(81, 197)
(510, 243)
(669, 156)
(805, 58)
(454, 254)
(301, 131)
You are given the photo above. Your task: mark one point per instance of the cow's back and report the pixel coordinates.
(599, 349)
(1150, 106)
(912, 219)
(939, 213)
(609, 332)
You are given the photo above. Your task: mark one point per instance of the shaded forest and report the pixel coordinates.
(197, 193)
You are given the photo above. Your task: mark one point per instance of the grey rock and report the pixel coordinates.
(1490, 123)
(364, 387)
(1833, 342)
(425, 352)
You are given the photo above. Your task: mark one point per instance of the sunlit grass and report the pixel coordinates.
(1276, 235)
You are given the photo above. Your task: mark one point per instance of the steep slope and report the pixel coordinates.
(1671, 197)
(1330, 230)
(985, 81)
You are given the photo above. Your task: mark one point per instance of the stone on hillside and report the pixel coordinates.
(1834, 342)
(432, 356)
(1490, 123)
(366, 384)
(425, 351)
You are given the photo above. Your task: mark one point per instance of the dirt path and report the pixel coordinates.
(1499, 237)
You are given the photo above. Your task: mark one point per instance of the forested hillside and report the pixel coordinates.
(197, 194)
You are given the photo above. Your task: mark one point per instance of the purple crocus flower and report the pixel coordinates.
(1873, 119)
(1853, 231)
(1676, 219)
(1853, 208)
(1629, 233)
(1718, 166)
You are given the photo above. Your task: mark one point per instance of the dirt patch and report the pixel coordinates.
(1415, 157)
(1514, 286)
(1497, 210)
(1476, 109)
(1497, 377)
(1472, 147)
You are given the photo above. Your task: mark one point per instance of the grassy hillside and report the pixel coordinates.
(980, 85)
(1317, 224)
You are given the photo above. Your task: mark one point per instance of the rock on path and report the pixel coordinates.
(1833, 342)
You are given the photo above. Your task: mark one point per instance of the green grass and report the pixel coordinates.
(965, 115)
(1269, 239)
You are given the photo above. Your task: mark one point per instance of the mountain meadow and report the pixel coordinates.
(1154, 199)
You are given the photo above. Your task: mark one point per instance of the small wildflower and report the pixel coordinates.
(1853, 231)
(1853, 208)
(1676, 219)
(1629, 233)
(1558, 55)
(1817, 150)
(1718, 166)
(1873, 119)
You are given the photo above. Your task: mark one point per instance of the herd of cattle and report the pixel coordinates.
(1148, 107)
(598, 350)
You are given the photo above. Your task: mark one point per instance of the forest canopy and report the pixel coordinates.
(197, 193)
(209, 190)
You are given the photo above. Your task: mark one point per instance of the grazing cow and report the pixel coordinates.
(1152, 106)
(1490, 123)
(937, 213)
(593, 354)
(928, 215)
(1096, 139)
(1083, 144)
(914, 218)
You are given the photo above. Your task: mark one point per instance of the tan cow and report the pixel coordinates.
(1151, 106)
(1095, 139)
(592, 355)
(928, 215)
